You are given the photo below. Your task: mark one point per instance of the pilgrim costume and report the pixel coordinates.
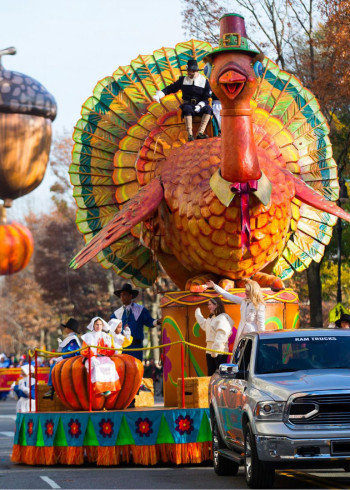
(66, 346)
(119, 340)
(104, 376)
(134, 316)
(195, 99)
(22, 390)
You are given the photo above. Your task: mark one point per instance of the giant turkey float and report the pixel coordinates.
(255, 201)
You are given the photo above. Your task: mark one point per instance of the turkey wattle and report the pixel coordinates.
(255, 202)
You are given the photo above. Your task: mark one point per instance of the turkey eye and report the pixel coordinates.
(207, 70)
(258, 69)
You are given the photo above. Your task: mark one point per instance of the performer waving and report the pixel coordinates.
(217, 327)
(252, 307)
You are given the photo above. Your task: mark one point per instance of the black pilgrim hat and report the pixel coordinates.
(72, 324)
(128, 289)
(192, 65)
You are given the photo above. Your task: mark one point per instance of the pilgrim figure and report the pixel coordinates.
(134, 316)
(195, 98)
(104, 376)
(68, 347)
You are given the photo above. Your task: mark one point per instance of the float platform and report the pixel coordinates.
(146, 437)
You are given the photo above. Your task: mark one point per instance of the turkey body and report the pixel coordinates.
(203, 234)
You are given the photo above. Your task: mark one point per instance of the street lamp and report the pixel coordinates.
(343, 196)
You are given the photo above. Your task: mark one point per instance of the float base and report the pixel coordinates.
(145, 437)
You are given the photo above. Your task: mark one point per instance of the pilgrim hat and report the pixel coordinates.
(72, 324)
(192, 65)
(128, 289)
(344, 318)
(233, 36)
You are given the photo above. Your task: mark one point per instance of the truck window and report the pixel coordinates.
(245, 358)
(301, 353)
(239, 351)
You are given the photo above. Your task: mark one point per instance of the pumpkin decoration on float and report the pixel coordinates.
(71, 382)
(16, 245)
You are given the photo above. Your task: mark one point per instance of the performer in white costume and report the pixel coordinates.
(252, 308)
(119, 339)
(22, 389)
(104, 376)
(218, 328)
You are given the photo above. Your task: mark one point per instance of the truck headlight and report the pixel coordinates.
(269, 410)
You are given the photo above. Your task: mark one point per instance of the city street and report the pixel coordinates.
(18, 476)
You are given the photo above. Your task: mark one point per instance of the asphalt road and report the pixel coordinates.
(17, 476)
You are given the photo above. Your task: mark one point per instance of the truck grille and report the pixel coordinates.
(320, 409)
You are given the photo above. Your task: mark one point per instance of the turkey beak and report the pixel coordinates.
(232, 83)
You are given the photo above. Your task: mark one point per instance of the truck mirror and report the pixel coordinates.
(228, 370)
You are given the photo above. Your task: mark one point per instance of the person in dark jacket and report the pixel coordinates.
(69, 344)
(195, 98)
(134, 316)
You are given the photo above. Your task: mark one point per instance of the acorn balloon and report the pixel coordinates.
(27, 110)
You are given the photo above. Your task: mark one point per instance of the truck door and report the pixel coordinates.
(236, 395)
(223, 395)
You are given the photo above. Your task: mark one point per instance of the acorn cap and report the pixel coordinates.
(21, 94)
(233, 36)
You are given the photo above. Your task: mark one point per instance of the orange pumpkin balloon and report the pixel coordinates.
(70, 380)
(16, 247)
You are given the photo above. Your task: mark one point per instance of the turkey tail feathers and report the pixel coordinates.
(307, 195)
(136, 210)
(120, 141)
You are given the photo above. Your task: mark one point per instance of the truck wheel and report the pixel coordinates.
(222, 466)
(257, 473)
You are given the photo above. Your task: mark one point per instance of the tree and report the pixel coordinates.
(273, 25)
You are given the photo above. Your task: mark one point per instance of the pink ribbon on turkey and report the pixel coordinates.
(243, 189)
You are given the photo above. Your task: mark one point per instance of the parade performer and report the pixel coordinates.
(217, 327)
(104, 376)
(22, 390)
(134, 316)
(252, 308)
(195, 98)
(119, 337)
(70, 343)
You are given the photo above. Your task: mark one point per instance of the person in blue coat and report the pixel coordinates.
(69, 344)
(134, 316)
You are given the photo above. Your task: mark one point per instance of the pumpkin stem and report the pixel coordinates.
(3, 219)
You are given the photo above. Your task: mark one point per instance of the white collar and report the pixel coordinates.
(135, 308)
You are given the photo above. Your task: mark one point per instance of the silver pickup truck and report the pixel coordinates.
(284, 403)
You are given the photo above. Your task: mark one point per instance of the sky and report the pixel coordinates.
(69, 45)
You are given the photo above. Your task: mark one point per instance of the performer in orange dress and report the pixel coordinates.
(104, 376)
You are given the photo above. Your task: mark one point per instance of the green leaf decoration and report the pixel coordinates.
(40, 439)
(22, 434)
(124, 436)
(60, 437)
(164, 434)
(90, 438)
(204, 433)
